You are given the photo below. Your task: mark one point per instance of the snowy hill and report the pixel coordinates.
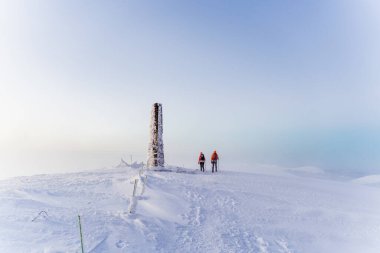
(186, 211)
(372, 180)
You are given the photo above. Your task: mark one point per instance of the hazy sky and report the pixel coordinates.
(291, 83)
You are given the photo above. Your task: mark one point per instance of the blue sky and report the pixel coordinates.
(291, 83)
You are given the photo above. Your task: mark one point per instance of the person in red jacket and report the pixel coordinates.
(201, 161)
(214, 161)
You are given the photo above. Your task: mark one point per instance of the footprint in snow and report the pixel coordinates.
(283, 246)
(121, 244)
(262, 244)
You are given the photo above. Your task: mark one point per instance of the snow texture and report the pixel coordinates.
(156, 146)
(180, 210)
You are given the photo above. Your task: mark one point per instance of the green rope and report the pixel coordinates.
(80, 231)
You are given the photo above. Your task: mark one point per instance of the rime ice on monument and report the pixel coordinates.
(156, 146)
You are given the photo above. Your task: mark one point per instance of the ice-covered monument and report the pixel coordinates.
(156, 146)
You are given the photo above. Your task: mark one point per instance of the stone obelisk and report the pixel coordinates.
(156, 146)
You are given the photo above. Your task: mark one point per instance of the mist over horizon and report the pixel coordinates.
(290, 84)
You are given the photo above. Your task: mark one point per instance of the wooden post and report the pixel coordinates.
(134, 188)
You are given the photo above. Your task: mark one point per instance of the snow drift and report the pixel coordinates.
(180, 210)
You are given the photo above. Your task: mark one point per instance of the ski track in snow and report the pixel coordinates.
(188, 211)
(214, 225)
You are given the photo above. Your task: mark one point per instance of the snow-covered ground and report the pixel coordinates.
(187, 211)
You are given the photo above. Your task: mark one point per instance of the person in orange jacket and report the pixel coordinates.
(201, 161)
(214, 161)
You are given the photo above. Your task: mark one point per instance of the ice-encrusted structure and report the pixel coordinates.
(156, 146)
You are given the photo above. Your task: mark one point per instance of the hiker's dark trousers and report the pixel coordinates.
(214, 164)
(202, 164)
